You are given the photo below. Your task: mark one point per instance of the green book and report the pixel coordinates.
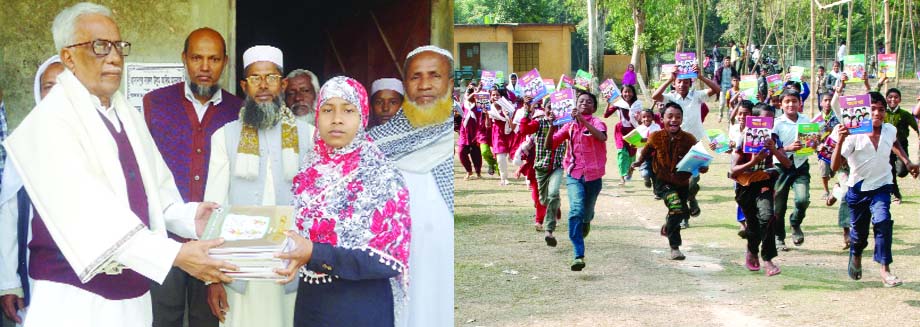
(634, 138)
(809, 137)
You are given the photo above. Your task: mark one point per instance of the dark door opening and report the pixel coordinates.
(362, 39)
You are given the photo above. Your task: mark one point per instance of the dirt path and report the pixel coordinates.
(507, 276)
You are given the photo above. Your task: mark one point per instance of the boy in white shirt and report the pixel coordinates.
(869, 196)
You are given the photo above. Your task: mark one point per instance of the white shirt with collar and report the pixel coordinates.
(788, 132)
(202, 108)
(692, 106)
(868, 163)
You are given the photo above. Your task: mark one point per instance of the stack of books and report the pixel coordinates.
(252, 236)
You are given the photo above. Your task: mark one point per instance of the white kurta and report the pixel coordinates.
(431, 254)
(69, 164)
(264, 303)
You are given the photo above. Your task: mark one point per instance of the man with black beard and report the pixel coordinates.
(253, 162)
(181, 118)
(420, 140)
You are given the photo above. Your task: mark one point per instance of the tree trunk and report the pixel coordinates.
(913, 35)
(596, 29)
(750, 35)
(813, 55)
(887, 23)
(638, 16)
(849, 27)
(900, 66)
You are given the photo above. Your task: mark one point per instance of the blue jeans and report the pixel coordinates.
(871, 206)
(582, 197)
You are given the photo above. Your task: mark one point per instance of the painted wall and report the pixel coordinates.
(494, 56)
(555, 44)
(156, 30)
(615, 65)
(555, 48)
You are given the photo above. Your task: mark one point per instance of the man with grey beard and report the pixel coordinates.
(300, 94)
(181, 118)
(420, 140)
(253, 162)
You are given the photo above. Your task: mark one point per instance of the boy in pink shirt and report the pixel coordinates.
(584, 166)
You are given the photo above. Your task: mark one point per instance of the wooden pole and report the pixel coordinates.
(813, 55)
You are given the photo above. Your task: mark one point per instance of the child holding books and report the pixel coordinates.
(584, 167)
(352, 213)
(502, 135)
(666, 148)
(625, 152)
(647, 127)
(869, 182)
(754, 179)
(795, 178)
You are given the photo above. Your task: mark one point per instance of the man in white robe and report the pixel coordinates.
(70, 152)
(253, 162)
(420, 139)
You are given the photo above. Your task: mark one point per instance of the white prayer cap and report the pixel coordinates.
(388, 84)
(38, 76)
(430, 48)
(263, 53)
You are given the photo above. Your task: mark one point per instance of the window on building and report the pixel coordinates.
(526, 56)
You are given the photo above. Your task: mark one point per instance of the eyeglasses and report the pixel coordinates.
(102, 47)
(269, 79)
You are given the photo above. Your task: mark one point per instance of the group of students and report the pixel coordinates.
(763, 180)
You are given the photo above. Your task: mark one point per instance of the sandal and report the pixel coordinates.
(772, 271)
(751, 262)
(895, 200)
(852, 271)
(891, 281)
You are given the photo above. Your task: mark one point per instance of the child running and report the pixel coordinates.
(754, 176)
(666, 148)
(647, 126)
(584, 167)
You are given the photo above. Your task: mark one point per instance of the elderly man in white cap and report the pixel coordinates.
(253, 162)
(386, 98)
(103, 197)
(420, 139)
(300, 94)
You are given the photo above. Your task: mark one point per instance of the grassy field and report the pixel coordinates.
(507, 276)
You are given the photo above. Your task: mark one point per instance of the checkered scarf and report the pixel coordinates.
(415, 139)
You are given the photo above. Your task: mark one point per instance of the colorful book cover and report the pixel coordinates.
(918, 74)
(609, 90)
(684, 62)
(583, 80)
(774, 83)
(666, 71)
(693, 161)
(487, 79)
(827, 150)
(796, 72)
(888, 65)
(532, 85)
(550, 86)
(565, 82)
(500, 77)
(818, 119)
(634, 138)
(855, 114)
(809, 137)
(719, 140)
(748, 86)
(482, 100)
(855, 68)
(562, 103)
(757, 130)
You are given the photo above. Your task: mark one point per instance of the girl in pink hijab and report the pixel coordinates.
(352, 212)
